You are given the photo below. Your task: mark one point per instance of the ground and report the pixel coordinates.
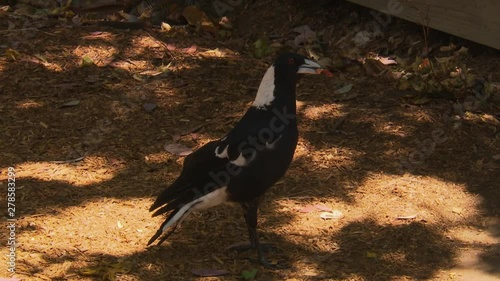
(402, 218)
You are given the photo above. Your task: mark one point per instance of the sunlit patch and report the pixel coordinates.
(82, 234)
(321, 112)
(326, 158)
(92, 170)
(100, 35)
(159, 157)
(100, 55)
(392, 198)
(389, 128)
(29, 103)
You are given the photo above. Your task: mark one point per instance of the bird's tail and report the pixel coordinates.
(172, 221)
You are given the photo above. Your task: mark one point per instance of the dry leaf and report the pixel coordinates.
(331, 215)
(387, 61)
(177, 149)
(190, 50)
(71, 103)
(345, 89)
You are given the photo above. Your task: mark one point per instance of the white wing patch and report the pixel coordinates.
(273, 144)
(241, 161)
(223, 154)
(265, 94)
(209, 200)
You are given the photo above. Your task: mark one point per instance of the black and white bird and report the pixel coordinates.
(245, 163)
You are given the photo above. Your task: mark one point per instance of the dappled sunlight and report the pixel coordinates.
(323, 111)
(29, 103)
(94, 169)
(100, 55)
(472, 236)
(91, 229)
(326, 158)
(391, 128)
(388, 198)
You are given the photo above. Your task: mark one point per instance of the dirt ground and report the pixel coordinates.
(87, 219)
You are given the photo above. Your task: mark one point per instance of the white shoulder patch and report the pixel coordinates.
(223, 154)
(265, 94)
(273, 144)
(241, 161)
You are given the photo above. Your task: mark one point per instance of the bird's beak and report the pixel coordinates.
(310, 67)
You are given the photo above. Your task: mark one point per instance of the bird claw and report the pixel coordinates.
(272, 266)
(245, 246)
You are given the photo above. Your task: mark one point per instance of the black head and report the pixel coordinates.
(289, 65)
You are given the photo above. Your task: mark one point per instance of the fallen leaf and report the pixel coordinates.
(197, 17)
(457, 210)
(70, 103)
(374, 68)
(322, 207)
(177, 149)
(40, 57)
(371, 255)
(331, 215)
(425, 65)
(190, 50)
(345, 89)
(87, 61)
(205, 272)
(166, 27)
(226, 23)
(249, 274)
(308, 209)
(139, 77)
(149, 106)
(422, 101)
(12, 54)
(387, 61)
(305, 35)
(362, 37)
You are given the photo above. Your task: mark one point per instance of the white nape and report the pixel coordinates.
(209, 200)
(265, 94)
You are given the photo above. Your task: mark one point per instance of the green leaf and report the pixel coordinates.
(86, 61)
(249, 274)
(371, 255)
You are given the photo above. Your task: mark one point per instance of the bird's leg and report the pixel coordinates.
(251, 221)
(252, 232)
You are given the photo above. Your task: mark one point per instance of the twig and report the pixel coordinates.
(19, 29)
(70, 160)
(163, 44)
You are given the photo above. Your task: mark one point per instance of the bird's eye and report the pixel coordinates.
(291, 61)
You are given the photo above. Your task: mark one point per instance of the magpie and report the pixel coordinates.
(246, 162)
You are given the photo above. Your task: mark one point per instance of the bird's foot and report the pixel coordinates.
(245, 246)
(269, 265)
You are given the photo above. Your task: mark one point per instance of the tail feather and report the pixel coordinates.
(160, 230)
(168, 194)
(174, 203)
(173, 220)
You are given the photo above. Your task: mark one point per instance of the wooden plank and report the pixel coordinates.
(475, 20)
